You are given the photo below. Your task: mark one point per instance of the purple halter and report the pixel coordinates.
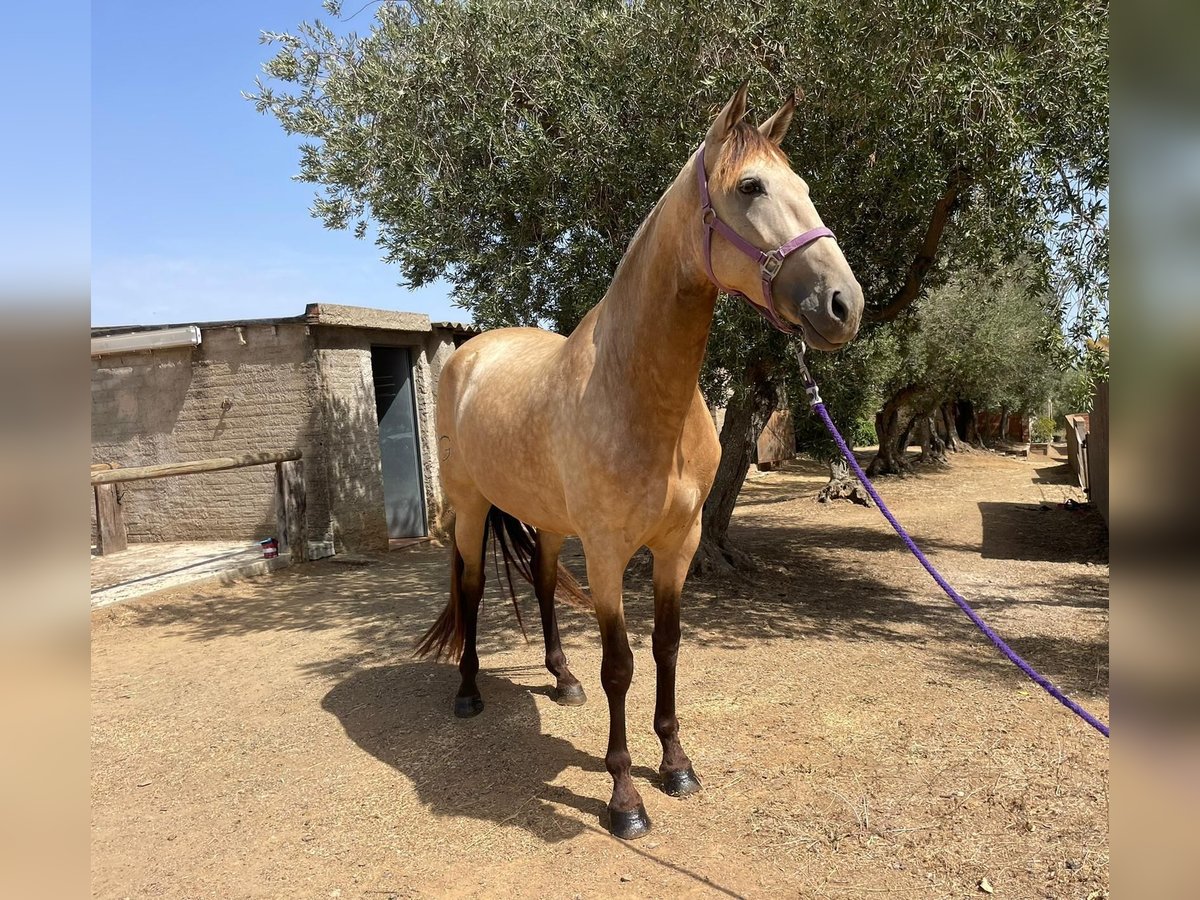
(769, 261)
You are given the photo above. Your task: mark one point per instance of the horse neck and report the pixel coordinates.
(651, 328)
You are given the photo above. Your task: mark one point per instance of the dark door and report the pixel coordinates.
(399, 451)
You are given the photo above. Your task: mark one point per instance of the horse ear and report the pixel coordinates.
(776, 127)
(727, 118)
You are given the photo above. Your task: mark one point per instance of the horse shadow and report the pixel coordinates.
(498, 766)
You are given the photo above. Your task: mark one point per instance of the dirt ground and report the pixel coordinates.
(855, 736)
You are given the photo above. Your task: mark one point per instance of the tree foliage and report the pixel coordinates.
(992, 340)
(513, 146)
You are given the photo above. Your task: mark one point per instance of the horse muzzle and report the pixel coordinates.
(829, 316)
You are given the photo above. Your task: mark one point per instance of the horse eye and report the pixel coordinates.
(751, 186)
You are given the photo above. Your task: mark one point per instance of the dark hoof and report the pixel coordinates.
(629, 825)
(570, 695)
(466, 707)
(680, 784)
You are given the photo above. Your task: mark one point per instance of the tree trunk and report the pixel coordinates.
(744, 418)
(843, 486)
(991, 428)
(905, 439)
(957, 183)
(893, 437)
(933, 448)
(946, 426)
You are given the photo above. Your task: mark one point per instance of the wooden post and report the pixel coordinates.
(281, 531)
(110, 520)
(290, 506)
(295, 504)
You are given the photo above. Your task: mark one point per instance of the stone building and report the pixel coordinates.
(352, 388)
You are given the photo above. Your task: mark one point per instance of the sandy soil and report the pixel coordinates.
(856, 737)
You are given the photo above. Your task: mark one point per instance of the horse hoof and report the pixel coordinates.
(681, 783)
(466, 707)
(570, 695)
(629, 825)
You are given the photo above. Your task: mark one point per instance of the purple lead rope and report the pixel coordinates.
(1046, 684)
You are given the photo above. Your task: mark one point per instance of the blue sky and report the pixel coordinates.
(44, 227)
(195, 215)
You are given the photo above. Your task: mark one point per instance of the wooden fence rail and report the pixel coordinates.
(236, 461)
(290, 501)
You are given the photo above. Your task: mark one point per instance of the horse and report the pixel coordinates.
(605, 435)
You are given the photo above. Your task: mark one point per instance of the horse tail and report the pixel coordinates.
(445, 636)
(517, 542)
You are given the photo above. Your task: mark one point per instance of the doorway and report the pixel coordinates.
(399, 447)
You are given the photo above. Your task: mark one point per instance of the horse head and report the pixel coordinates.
(763, 233)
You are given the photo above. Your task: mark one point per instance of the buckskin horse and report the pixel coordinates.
(604, 434)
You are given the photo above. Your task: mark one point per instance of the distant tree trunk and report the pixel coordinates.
(946, 426)
(843, 486)
(933, 448)
(905, 439)
(744, 418)
(991, 428)
(893, 434)
(1004, 423)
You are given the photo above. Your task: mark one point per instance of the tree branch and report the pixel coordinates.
(956, 183)
(1076, 203)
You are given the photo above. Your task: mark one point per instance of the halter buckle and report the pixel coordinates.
(806, 379)
(708, 215)
(771, 264)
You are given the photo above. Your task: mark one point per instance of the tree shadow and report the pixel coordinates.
(1076, 591)
(1031, 531)
(383, 602)
(805, 590)
(1055, 473)
(498, 766)
(1077, 665)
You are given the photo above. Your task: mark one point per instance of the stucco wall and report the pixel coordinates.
(351, 433)
(252, 388)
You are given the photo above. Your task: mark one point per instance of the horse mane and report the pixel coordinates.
(744, 145)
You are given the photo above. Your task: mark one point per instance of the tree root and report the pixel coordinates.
(720, 559)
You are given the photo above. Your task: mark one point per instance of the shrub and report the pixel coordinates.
(1043, 430)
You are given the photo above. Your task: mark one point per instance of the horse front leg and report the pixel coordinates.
(627, 817)
(670, 571)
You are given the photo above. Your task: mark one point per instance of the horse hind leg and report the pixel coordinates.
(466, 587)
(567, 691)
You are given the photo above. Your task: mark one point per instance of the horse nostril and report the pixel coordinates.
(838, 308)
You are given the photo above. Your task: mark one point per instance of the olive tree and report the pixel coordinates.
(981, 341)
